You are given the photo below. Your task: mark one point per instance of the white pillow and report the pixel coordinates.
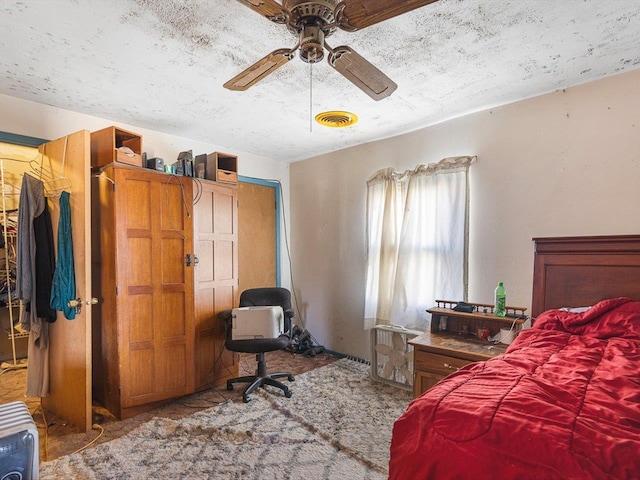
(575, 309)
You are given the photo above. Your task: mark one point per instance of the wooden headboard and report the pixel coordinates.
(581, 271)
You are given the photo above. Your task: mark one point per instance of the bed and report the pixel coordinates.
(564, 401)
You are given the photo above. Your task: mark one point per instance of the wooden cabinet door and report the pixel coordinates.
(216, 281)
(154, 263)
(423, 381)
(70, 340)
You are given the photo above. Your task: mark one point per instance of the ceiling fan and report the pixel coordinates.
(314, 20)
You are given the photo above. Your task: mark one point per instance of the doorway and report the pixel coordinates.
(258, 232)
(14, 162)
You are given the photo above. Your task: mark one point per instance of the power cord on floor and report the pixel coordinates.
(95, 426)
(301, 321)
(46, 430)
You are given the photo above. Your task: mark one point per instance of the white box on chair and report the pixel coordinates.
(256, 322)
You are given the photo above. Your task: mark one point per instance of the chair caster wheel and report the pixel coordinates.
(291, 378)
(246, 399)
(288, 393)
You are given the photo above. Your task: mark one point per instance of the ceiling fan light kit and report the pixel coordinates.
(312, 21)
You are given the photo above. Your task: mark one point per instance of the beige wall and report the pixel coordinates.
(42, 121)
(566, 163)
(562, 164)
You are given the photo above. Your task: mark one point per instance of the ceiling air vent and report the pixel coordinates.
(336, 119)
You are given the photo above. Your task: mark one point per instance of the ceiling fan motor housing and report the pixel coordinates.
(309, 19)
(305, 12)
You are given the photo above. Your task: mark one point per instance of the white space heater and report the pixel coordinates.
(18, 443)
(392, 356)
(256, 322)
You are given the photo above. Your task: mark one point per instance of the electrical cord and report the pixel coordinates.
(497, 338)
(40, 407)
(95, 426)
(46, 429)
(302, 321)
(198, 184)
(184, 198)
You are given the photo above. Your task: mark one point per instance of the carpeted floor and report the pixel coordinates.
(337, 424)
(60, 438)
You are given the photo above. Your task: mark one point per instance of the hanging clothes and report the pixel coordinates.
(45, 264)
(64, 279)
(32, 207)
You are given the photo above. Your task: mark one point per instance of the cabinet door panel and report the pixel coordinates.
(174, 322)
(224, 213)
(154, 235)
(226, 297)
(216, 281)
(139, 194)
(139, 264)
(141, 366)
(173, 261)
(139, 318)
(204, 270)
(225, 266)
(175, 367)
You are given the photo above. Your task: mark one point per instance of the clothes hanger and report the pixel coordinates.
(54, 181)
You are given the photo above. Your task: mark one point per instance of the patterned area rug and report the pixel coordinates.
(336, 425)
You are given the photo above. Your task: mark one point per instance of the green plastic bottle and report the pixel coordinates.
(500, 304)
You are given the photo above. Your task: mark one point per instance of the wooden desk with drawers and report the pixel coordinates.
(439, 352)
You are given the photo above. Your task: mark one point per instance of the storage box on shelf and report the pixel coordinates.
(226, 168)
(216, 166)
(114, 144)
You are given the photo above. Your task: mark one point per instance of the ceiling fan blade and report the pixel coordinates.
(361, 73)
(268, 8)
(260, 69)
(357, 14)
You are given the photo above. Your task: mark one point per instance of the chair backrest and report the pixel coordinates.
(269, 296)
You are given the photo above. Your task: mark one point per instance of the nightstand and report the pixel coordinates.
(440, 352)
(436, 355)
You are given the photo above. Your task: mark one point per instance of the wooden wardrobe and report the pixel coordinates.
(153, 271)
(156, 334)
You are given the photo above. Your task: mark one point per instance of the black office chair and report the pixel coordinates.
(259, 297)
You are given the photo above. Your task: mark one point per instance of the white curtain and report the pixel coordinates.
(417, 241)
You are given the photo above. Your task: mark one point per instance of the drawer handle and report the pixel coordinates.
(446, 365)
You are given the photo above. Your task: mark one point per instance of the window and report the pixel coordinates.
(417, 241)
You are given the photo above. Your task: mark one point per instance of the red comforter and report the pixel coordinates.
(562, 403)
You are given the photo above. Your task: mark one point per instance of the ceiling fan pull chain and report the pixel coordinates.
(311, 97)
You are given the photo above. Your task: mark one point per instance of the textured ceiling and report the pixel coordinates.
(160, 64)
